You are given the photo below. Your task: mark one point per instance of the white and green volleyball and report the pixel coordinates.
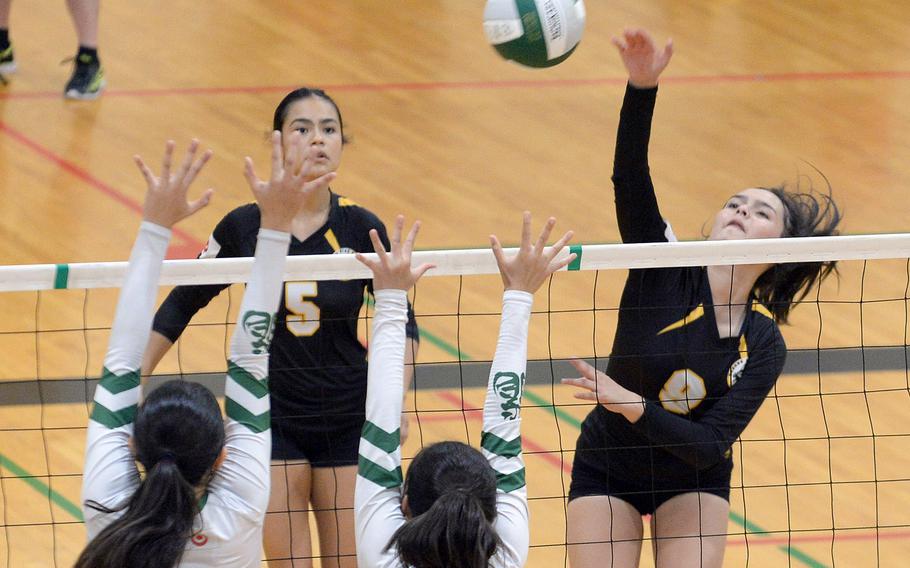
(536, 33)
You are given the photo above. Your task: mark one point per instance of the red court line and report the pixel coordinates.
(477, 415)
(187, 245)
(484, 85)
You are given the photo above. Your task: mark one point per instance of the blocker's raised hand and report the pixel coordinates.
(533, 264)
(165, 198)
(392, 270)
(281, 197)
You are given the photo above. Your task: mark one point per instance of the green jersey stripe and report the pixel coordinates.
(257, 423)
(251, 384)
(110, 419)
(116, 384)
(496, 445)
(378, 474)
(509, 482)
(385, 441)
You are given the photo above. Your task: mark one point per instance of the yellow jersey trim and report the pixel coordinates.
(698, 312)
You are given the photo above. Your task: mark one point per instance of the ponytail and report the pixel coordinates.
(451, 492)
(153, 530)
(453, 533)
(178, 436)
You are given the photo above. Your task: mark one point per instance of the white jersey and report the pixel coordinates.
(377, 500)
(229, 527)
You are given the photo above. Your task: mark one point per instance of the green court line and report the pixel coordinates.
(444, 345)
(749, 527)
(41, 487)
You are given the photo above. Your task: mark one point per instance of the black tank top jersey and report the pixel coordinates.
(702, 390)
(317, 364)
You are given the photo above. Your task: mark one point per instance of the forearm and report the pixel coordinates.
(157, 348)
(246, 389)
(501, 436)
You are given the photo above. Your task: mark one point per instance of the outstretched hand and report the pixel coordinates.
(601, 388)
(533, 264)
(281, 197)
(392, 270)
(641, 57)
(165, 198)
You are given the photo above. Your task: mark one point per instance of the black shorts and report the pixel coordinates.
(604, 468)
(312, 439)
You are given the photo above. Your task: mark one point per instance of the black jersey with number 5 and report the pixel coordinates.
(317, 365)
(702, 389)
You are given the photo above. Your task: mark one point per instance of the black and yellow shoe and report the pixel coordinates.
(7, 63)
(87, 81)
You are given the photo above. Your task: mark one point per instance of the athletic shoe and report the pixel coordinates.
(7, 62)
(87, 81)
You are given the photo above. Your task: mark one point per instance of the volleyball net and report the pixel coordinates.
(822, 473)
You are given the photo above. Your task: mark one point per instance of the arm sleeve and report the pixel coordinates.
(501, 437)
(705, 442)
(377, 496)
(110, 472)
(637, 212)
(183, 302)
(245, 472)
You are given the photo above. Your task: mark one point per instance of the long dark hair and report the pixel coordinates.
(807, 213)
(178, 435)
(451, 491)
(281, 112)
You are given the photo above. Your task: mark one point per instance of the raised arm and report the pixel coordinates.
(522, 274)
(637, 211)
(245, 472)
(175, 313)
(377, 497)
(110, 472)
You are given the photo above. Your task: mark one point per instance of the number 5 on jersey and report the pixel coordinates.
(303, 315)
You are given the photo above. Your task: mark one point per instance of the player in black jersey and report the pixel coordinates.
(317, 365)
(696, 352)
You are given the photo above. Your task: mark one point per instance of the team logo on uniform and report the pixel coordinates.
(200, 539)
(736, 371)
(260, 326)
(507, 387)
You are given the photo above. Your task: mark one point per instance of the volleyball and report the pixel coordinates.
(535, 33)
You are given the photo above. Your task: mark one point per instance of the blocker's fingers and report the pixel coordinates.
(545, 234)
(369, 263)
(196, 167)
(167, 160)
(378, 247)
(146, 171)
(411, 239)
(276, 152)
(188, 157)
(497, 250)
(249, 172)
(557, 246)
(395, 241)
(420, 270)
(526, 230)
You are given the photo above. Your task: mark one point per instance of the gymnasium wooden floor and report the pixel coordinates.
(445, 131)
